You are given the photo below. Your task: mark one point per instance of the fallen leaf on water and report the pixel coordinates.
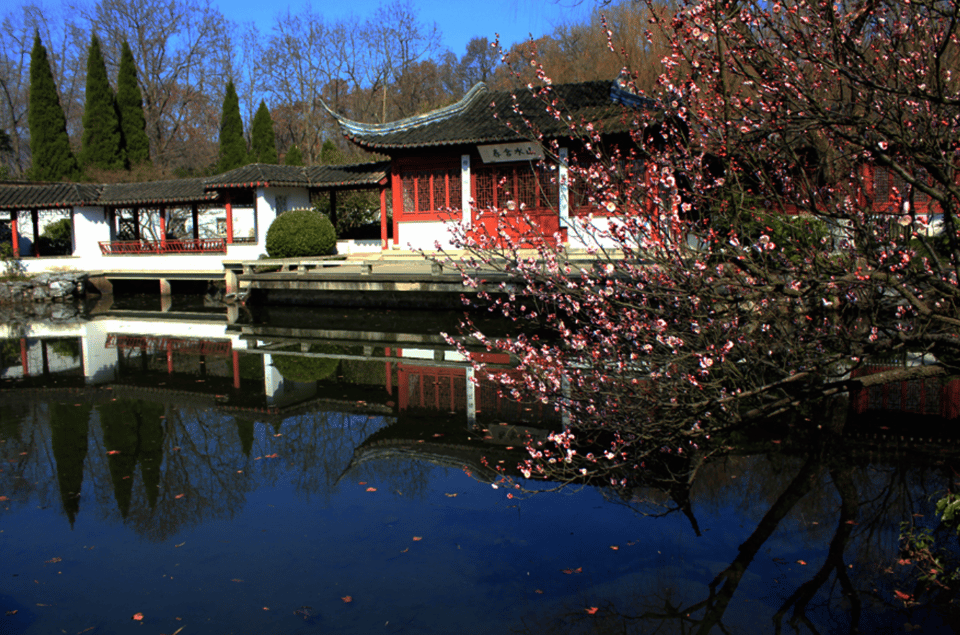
(41, 603)
(180, 545)
(347, 598)
(236, 580)
(114, 452)
(538, 591)
(3, 498)
(362, 483)
(405, 550)
(577, 570)
(801, 562)
(179, 495)
(270, 456)
(178, 630)
(901, 595)
(13, 612)
(417, 538)
(54, 560)
(371, 489)
(279, 434)
(592, 610)
(614, 547)
(438, 434)
(451, 495)
(137, 616)
(89, 628)
(774, 441)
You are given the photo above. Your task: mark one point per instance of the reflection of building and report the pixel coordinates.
(932, 396)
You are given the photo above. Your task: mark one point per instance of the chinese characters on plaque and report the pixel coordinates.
(503, 152)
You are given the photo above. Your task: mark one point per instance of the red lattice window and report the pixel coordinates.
(517, 188)
(427, 192)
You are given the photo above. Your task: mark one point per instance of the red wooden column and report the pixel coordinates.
(163, 228)
(15, 234)
(228, 205)
(169, 357)
(397, 191)
(383, 216)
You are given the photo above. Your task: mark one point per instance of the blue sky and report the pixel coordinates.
(458, 21)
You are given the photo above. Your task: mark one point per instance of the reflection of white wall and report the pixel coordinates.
(281, 392)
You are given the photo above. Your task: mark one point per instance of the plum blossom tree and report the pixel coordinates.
(785, 216)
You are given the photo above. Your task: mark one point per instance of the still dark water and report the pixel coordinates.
(328, 472)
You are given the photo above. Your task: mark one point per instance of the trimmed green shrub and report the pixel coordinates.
(307, 369)
(301, 233)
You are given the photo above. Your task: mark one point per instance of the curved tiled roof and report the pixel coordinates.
(485, 116)
(264, 175)
(27, 196)
(155, 193)
(15, 196)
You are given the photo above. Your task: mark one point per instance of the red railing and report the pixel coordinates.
(188, 246)
(153, 344)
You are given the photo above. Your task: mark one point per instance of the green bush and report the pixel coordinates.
(307, 369)
(301, 233)
(57, 238)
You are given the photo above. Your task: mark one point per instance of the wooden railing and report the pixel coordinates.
(187, 246)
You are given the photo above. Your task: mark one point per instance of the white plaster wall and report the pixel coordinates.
(584, 232)
(90, 227)
(424, 235)
(297, 198)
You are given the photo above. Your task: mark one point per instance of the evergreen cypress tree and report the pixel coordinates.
(263, 142)
(101, 147)
(330, 154)
(294, 157)
(133, 124)
(53, 159)
(233, 147)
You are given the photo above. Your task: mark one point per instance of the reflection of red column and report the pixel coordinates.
(23, 357)
(950, 398)
(236, 369)
(389, 372)
(14, 235)
(169, 357)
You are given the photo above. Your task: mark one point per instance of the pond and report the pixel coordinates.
(300, 471)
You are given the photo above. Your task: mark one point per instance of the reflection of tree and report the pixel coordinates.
(833, 481)
(132, 432)
(68, 432)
